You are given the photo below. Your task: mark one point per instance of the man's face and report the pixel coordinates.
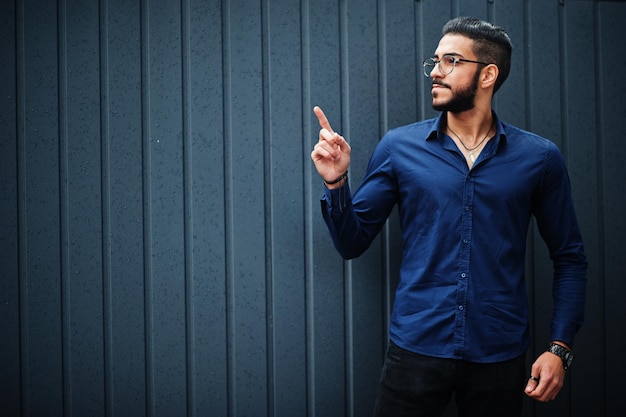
(456, 91)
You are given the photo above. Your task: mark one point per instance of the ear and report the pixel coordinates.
(489, 75)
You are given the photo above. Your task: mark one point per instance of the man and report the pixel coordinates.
(466, 185)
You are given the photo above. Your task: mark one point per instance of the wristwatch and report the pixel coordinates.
(566, 355)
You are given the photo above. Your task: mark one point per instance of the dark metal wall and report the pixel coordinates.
(161, 247)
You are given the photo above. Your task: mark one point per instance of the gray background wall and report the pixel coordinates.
(161, 247)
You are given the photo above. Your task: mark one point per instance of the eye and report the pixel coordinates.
(449, 60)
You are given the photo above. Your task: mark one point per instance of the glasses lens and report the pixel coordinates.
(428, 64)
(446, 65)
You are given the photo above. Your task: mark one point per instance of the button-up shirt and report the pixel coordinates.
(461, 291)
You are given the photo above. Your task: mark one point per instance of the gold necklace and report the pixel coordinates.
(471, 150)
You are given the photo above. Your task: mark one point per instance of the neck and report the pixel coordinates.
(471, 125)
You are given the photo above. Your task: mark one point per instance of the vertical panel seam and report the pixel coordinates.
(147, 218)
(528, 90)
(565, 109)
(600, 225)
(491, 17)
(418, 22)
(344, 68)
(65, 287)
(383, 100)
(188, 208)
(308, 211)
(564, 96)
(21, 199)
(268, 215)
(106, 207)
(228, 218)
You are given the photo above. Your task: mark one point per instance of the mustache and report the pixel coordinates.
(437, 82)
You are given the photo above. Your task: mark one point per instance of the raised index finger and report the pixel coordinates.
(321, 117)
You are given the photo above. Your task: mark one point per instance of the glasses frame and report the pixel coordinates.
(429, 64)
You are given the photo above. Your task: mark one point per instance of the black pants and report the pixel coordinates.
(421, 386)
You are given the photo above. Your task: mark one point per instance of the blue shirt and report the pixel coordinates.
(461, 292)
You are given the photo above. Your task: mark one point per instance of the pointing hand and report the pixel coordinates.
(331, 154)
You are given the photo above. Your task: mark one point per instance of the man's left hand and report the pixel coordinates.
(548, 369)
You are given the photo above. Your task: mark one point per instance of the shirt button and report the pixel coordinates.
(461, 308)
(467, 208)
(463, 275)
(465, 241)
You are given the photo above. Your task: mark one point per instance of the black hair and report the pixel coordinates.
(491, 43)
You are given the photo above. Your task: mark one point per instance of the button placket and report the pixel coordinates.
(464, 264)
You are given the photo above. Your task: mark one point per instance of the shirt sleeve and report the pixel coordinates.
(558, 226)
(354, 221)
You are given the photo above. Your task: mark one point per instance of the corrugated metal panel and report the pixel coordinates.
(161, 247)
(10, 384)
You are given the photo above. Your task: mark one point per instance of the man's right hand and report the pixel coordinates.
(331, 154)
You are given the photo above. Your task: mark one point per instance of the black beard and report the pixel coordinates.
(463, 100)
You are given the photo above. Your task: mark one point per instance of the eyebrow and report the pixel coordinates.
(455, 54)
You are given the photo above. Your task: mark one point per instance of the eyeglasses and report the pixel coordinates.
(446, 64)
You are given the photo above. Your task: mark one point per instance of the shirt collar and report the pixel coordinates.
(437, 125)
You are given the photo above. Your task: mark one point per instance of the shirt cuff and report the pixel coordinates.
(563, 334)
(337, 198)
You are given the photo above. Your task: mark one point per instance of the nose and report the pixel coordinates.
(436, 71)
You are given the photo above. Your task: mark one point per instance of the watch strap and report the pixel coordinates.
(565, 354)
